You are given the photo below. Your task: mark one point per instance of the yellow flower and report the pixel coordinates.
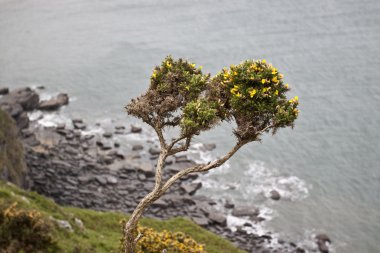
(235, 73)
(281, 76)
(287, 86)
(252, 92)
(265, 90)
(264, 61)
(193, 65)
(187, 88)
(296, 98)
(234, 89)
(238, 94)
(274, 71)
(274, 79)
(154, 74)
(200, 67)
(296, 111)
(263, 81)
(276, 92)
(168, 64)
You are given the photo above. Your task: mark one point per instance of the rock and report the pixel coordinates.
(245, 211)
(79, 125)
(323, 238)
(25, 97)
(77, 120)
(111, 180)
(101, 180)
(137, 147)
(154, 151)
(64, 224)
(135, 129)
(120, 127)
(31, 141)
(54, 103)
(107, 135)
(104, 145)
(201, 221)
(4, 91)
(322, 247)
(79, 223)
(275, 195)
(12, 109)
(218, 218)
(147, 169)
(229, 204)
(191, 188)
(61, 126)
(182, 159)
(22, 121)
(160, 203)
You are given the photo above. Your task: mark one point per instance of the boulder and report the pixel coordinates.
(200, 221)
(4, 91)
(135, 129)
(323, 238)
(245, 211)
(147, 169)
(137, 147)
(13, 110)
(154, 151)
(25, 97)
(107, 135)
(218, 218)
(54, 103)
(191, 188)
(22, 121)
(275, 195)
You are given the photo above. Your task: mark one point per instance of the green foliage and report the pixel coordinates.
(12, 165)
(24, 230)
(101, 233)
(251, 93)
(198, 115)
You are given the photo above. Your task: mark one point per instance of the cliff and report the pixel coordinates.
(12, 165)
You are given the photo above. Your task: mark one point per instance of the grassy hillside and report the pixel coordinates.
(12, 166)
(101, 232)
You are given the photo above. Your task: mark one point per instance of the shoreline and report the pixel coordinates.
(90, 170)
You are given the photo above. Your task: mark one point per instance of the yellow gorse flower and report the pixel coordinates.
(276, 92)
(274, 79)
(274, 71)
(287, 86)
(235, 89)
(263, 81)
(252, 92)
(294, 100)
(168, 64)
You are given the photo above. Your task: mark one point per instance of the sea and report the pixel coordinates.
(327, 169)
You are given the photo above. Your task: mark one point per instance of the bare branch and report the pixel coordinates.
(183, 147)
(202, 167)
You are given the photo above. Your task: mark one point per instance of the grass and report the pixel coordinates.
(102, 230)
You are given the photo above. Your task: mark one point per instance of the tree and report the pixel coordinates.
(251, 94)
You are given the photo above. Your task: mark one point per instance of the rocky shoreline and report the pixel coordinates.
(92, 171)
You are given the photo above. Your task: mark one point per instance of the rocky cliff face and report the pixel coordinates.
(12, 165)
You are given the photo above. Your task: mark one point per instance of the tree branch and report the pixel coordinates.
(183, 147)
(202, 167)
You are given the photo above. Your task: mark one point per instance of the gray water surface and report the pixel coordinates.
(102, 54)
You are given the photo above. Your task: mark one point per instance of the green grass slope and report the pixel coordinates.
(102, 231)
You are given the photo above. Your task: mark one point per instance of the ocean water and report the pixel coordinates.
(327, 168)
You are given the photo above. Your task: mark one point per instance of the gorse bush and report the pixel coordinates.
(153, 241)
(24, 231)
